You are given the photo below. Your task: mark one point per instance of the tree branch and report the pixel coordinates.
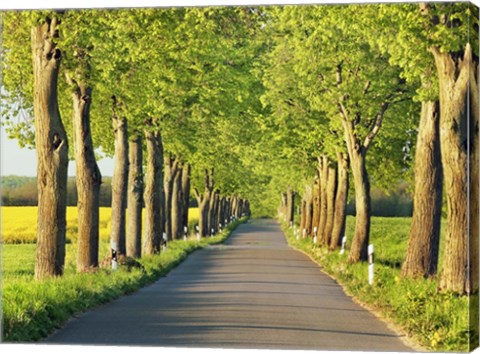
(376, 126)
(461, 83)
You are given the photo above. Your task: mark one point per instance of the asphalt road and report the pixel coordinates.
(252, 292)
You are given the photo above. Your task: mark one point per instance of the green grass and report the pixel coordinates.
(436, 321)
(33, 309)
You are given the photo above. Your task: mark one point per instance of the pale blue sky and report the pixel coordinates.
(22, 162)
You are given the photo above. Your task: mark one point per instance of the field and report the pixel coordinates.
(436, 321)
(19, 224)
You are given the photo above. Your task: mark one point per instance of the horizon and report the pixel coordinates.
(22, 162)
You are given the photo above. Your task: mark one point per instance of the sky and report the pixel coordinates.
(23, 162)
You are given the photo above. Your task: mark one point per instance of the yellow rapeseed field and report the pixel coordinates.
(19, 224)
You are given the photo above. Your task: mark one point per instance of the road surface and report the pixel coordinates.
(251, 292)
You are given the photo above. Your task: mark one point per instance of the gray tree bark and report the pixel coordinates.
(135, 197)
(88, 176)
(424, 241)
(186, 192)
(52, 152)
(119, 182)
(340, 201)
(453, 75)
(153, 195)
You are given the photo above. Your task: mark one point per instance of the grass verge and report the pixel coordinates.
(436, 321)
(33, 309)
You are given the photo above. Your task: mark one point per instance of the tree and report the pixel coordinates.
(135, 196)
(454, 61)
(153, 195)
(402, 37)
(120, 180)
(52, 150)
(88, 177)
(345, 83)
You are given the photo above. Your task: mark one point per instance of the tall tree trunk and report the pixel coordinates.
(185, 193)
(52, 152)
(88, 179)
(453, 74)
(315, 200)
(235, 205)
(308, 211)
(423, 244)
(323, 169)
(211, 213)
(290, 205)
(474, 199)
(135, 197)
(119, 182)
(203, 206)
(170, 166)
(340, 201)
(474, 185)
(359, 247)
(303, 210)
(221, 211)
(204, 200)
(248, 211)
(357, 151)
(176, 213)
(226, 213)
(215, 219)
(153, 195)
(331, 189)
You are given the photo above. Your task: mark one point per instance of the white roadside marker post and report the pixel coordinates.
(344, 241)
(226, 222)
(370, 264)
(185, 233)
(198, 233)
(114, 255)
(164, 243)
(291, 224)
(304, 234)
(220, 227)
(315, 235)
(212, 232)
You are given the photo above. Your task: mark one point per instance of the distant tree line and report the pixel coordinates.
(22, 191)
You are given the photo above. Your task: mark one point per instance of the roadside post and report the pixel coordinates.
(315, 235)
(164, 243)
(114, 255)
(370, 264)
(344, 241)
(198, 233)
(185, 233)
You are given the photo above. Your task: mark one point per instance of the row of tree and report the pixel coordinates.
(155, 75)
(249, 103)
(375, 68)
